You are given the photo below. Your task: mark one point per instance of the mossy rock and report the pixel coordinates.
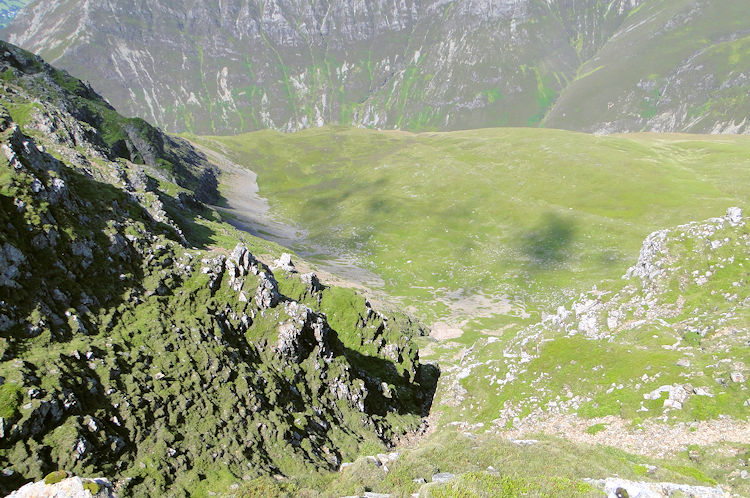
(55, 477)
(92, 487)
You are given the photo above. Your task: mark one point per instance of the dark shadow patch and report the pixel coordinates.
(548, 244)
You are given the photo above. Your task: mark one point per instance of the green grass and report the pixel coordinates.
(11, 396)
(506, 212)
(596, 428)
(487, 465)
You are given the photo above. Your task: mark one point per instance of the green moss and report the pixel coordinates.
(596, 428)
(693, 473)
(92, 487)
(11, 396)
(55, 477)
(480, 484)
(262, 487)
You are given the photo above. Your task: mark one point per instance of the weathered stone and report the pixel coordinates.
(10, 260)
(267, 295)
(72, 487)
(734, 216)
(312, 281)
(443, 477)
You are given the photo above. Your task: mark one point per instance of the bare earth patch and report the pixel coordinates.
(651, 439)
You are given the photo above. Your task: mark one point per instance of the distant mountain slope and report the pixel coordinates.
(619, 65)
(238, 65)
(675, 65)
(140, 338)
(9, 9)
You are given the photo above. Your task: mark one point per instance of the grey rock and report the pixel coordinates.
(73, 487)
(737, 377)
(243, 259)
(6, 322)
(312, 281)
(443, 477)
(285, 263)
(267, 295)
(734, 216)
(10, 261)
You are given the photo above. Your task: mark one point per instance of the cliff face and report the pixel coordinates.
(136, 343)
(239, 65)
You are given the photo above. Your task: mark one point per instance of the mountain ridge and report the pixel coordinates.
(604, 67)
(289, 66)
(143, 338)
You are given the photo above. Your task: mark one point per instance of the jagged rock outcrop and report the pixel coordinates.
(132, 347)
(673, 263)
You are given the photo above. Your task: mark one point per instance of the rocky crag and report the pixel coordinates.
(139, 340)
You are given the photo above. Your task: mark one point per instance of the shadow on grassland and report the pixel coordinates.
(547, 245)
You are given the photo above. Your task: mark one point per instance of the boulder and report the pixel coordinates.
(734, 216)
(285, 263)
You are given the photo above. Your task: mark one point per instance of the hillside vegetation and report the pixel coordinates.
(140, 336)
(491, 226)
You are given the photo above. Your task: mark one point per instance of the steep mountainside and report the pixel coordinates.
(240, 65)
(9, 9)
(137, 344)
(675, 65)
(237, 65)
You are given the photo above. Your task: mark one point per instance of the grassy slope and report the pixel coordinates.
(518, 212)
(681, 56)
